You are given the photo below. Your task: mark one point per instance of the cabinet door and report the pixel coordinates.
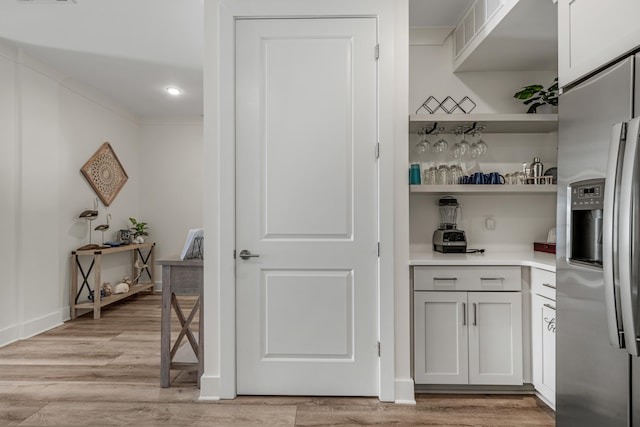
(592, 33)
(495, 338)
(440, 338)
(543, 335)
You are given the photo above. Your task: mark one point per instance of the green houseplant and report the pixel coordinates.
(139, 229)
(536, 95)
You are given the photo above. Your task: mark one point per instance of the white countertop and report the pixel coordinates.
(521, 257)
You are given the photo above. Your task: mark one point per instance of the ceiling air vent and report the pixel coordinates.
(47, 1)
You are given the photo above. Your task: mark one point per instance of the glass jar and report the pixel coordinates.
(430, 176)
(444, 176)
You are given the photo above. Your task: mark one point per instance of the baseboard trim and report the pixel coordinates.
(405, 392)
(65, 314)
(39, 325)
(209, 388)
(8, 335)
(474, 389)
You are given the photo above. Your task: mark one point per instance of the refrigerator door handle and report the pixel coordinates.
(610, 233)
(626, 237)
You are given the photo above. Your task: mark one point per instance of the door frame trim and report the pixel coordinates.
(219, 379)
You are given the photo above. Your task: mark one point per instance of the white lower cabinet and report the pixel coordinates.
(543, 334)
(468, 338)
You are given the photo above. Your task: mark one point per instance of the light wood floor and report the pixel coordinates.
(106, 372)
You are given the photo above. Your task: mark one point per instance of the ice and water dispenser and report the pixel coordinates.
(585, 242)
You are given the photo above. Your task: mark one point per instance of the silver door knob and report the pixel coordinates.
(245, 254)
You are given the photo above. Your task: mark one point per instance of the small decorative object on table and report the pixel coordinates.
(193, 245)
(90, 215)
(124, 237)
(139, 230)
(538, 96)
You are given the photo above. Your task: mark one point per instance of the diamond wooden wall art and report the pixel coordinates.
(105, 173)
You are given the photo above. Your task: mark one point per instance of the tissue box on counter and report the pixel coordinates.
(544, 247)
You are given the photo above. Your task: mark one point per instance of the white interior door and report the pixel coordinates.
(306, 180)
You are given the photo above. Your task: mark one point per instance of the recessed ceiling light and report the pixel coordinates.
(174, 91)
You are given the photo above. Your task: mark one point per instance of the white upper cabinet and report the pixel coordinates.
(507, 35)
(593, 33)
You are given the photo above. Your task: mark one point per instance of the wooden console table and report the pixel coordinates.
(184, 278)
(143, 252)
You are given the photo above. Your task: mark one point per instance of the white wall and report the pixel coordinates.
(49, 127)
(38, 209)
(87, 120)
(431, 74)
(171, 185)
(8, 180)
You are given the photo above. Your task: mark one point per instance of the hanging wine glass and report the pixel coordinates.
(441, 145)
(462, 148)
(475, 149)
(456, 147)
(482, 146)
(422, 148)
(441, 141)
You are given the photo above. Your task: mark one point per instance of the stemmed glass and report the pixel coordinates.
(441, 145)
(479, 147)
(423, 147)
(462, 148)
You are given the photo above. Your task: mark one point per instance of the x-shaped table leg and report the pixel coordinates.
(85, 277)
(145, 261)
(186, 329)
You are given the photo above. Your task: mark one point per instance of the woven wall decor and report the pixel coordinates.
(105, 173)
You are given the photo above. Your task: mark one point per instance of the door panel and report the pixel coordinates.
(440, 338)
(308, 169)
(308, 314)
(495, 338)
(583, 50)
(306, 204)
(543, 335)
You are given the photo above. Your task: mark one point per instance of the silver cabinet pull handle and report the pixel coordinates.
(492, 278)
(546, 285)
(475, 315)
(550, 306)
(445, 278)
(245, 254)
(464, 314)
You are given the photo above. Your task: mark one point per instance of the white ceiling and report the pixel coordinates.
(132, 49)
(437, 13)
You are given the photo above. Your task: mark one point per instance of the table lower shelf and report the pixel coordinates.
(104, 301)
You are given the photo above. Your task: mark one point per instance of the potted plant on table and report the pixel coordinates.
(139, 230)
(536, 96)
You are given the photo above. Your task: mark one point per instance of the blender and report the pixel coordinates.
(447, 238)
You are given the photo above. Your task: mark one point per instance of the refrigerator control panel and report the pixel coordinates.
(585, 222)
(587, 195)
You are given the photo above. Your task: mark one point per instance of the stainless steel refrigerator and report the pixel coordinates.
(598, 250)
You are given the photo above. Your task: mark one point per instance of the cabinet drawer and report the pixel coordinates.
(476, 278)
(543, 283)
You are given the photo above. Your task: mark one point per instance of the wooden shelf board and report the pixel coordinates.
(493, 123)
(116, 297)
(111, 250)
(486, 189)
